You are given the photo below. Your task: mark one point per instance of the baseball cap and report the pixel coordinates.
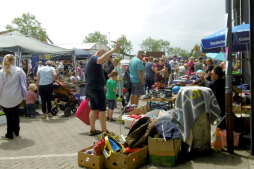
(142, 52)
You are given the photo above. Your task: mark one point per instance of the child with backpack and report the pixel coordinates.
(30, 100)
(111, 95)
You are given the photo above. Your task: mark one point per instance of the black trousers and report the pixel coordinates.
(46, 93)
(12, 117)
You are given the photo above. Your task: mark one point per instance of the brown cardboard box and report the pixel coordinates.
(163, 153)
(130, 161)
(140, 110)
(90, 161)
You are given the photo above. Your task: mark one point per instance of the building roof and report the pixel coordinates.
(86, 46)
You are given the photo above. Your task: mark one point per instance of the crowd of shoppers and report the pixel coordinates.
(104, 83)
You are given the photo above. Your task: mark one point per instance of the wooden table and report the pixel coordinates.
(169, 100)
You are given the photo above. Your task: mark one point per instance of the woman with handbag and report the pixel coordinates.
(11, 94)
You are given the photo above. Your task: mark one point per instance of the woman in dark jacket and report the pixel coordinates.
(217, 85)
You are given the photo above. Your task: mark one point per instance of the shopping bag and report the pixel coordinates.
(84, 111)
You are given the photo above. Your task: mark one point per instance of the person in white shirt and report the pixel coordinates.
(174, 63)
(11, 94)
(40, 65)
(45, 78)
(182, 69)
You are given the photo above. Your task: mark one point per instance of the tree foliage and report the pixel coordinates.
(178, 51)
(96, 37)
(28, 25)
(126, 45)
(152, 45)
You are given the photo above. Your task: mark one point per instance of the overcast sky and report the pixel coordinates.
(182, 22)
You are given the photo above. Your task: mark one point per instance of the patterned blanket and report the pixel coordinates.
(191, 102)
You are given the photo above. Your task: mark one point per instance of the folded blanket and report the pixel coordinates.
(191, 102)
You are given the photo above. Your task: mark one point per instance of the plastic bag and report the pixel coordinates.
(84, 111)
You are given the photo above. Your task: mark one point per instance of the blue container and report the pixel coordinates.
(77, 95)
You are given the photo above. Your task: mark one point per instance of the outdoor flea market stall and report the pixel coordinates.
(178, 117)
(22, 46)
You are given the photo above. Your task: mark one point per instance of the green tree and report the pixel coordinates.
(153, 45)
(96, 37)
(164, 45)
(28, 25)
(178, 51)
(126, 45)
(150, 45)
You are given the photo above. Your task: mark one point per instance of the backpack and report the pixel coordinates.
(140, 131)
(126, 79)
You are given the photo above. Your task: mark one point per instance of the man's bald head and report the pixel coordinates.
(100, 52)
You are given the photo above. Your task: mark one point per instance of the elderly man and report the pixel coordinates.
(95, 82)
(137, 77)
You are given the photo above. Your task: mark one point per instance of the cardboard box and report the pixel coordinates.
(90, 161)
(130, 161)
(245, 109)
(163, 153)
(128, 121)
(140, 110)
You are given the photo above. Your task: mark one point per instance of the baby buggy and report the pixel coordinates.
(64, 99)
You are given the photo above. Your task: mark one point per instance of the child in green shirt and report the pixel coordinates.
(111, 94)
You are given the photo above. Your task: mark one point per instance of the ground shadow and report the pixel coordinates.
(211, 157)
(84, 134)
(29, 120)
(16, 144)
(95, 137)
(60, 119)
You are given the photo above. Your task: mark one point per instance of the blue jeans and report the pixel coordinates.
(30, 110)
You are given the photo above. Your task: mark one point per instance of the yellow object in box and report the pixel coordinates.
(163, 153)
(89, 160)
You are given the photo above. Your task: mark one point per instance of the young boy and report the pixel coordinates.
(111, 94)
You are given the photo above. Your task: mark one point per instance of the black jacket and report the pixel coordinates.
(218, 88)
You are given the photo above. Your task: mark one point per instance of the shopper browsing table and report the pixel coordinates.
(45, 78)
(137, 77)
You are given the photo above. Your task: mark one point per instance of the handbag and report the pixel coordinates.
(22, 83)
(84, 111)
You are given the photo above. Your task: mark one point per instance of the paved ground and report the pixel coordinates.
(54, 144)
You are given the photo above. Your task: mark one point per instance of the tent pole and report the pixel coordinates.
(251, 19)
(16, 58)
(75, 66)
(228, 88)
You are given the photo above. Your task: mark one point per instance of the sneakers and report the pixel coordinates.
(111, 119)
(94, 132)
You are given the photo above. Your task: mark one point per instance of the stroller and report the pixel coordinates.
(64, 99)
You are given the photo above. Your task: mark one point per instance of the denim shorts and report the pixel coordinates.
(137, 89)
(111, 104)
